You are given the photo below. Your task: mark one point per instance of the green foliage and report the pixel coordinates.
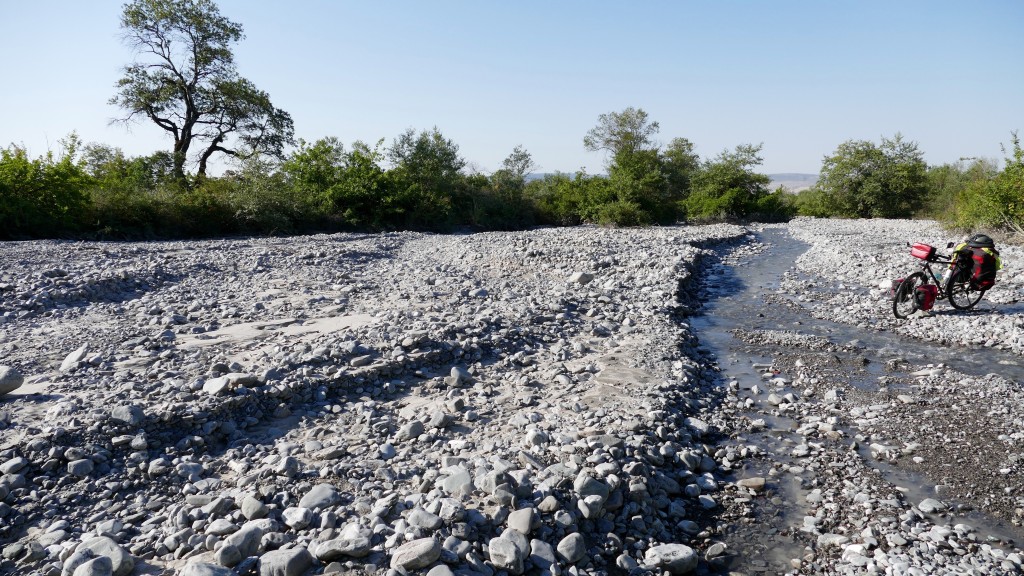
(640, 191)
(862, 180)
(679, 164)
(949, 182)
(728, 188)
(427, 179)
(621, 132)
(813, 202)
(559, 198)
(45, 197)
(996, 202)
(185, 82)
(500, 202)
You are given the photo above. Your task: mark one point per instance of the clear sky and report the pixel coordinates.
(801, 77)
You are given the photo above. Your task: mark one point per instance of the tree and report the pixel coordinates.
(862, 180)
(621, 133)
(998, 201)
(427, 172)
(510, 179)
(728, 187)
(184, 80)
(680, 163)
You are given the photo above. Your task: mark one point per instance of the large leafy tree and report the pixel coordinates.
(622, 133)
(427, 173)
(728, 187)
(864, 180)
(184, 80)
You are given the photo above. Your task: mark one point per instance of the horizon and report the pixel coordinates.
(799, 77)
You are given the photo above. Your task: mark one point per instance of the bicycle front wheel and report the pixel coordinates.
(961, 294)
(903, 302)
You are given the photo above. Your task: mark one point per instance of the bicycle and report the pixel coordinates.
(912, 293)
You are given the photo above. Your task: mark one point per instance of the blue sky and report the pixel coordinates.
(799, 77)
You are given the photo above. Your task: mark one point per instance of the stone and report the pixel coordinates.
(73, 561)
(254, 509)
(131, 415)
(71, 360)
(81, 468)
(14, 465)
(586, 485)
(416, 554)
(931, 506)
(197, 568)
(288, 562)
(228, 555)
(297, 518)
(581, 278)
(459, 376)
(216, 386)
(10, 380)
(522, 520)
(158, 467)
(247, 539)
(420, 518)
(542, 554)
(410, 431)
(506, 555)
(99, 566)
(675, 558)
(221, 527)
(355, 546)
(572, 548)
(440, 570)
(122, 562)
(756, 484)
(321, 496)
(458, 483)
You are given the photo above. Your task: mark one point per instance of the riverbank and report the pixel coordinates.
(538, 402)
(885, 459)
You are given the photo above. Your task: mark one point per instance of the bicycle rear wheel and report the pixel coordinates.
(903, 302)
(961, 294)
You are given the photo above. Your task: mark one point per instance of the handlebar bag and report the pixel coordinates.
(922, 251)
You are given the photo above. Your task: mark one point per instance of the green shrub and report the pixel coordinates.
(45, 197)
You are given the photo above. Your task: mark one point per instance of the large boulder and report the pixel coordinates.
(10, 379)
(289, 562)
(675, 558)
(122, 562)
(416, 554)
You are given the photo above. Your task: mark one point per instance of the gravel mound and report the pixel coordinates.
(501, 402)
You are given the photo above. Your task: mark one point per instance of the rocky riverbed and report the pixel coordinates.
(502, 403)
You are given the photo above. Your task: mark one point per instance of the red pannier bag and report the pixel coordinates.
(926, 296)
(922, 251)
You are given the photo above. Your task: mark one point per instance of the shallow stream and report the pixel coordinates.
(733, 297)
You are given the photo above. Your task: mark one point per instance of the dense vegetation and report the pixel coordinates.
(185, 83)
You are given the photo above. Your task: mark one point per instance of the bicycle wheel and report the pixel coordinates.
(903, 302)
(961, 294)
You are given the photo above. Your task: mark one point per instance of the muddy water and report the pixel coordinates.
(733, 297)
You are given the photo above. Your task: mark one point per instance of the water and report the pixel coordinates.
(734, 299)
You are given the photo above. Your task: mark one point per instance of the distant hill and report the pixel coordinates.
(792, 181)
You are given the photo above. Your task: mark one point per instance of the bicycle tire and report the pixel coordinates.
(903, 302)
(960, 293)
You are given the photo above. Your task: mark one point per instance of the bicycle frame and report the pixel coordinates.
(926, 267)
(955, 288)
